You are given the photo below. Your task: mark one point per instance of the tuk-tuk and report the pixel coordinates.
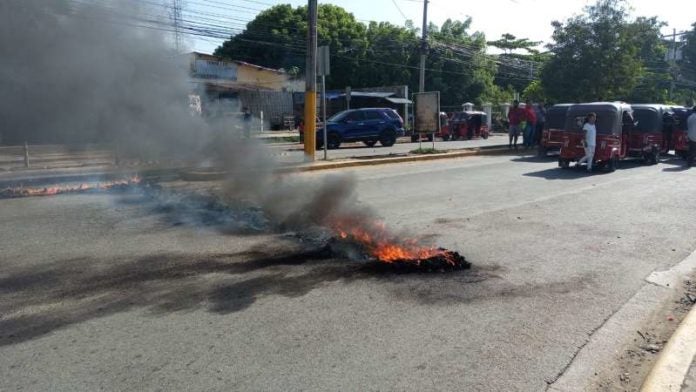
(614, 121)
(647, 138)
(468, 125)
(680, 135)
(552, 134)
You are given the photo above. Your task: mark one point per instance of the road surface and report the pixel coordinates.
(119, 292)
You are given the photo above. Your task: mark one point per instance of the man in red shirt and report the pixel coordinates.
(515, 116)
(530, 129)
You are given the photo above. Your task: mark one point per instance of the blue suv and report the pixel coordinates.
(369, 126)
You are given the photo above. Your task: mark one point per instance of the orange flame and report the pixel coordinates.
(380, 244)
(56, 190)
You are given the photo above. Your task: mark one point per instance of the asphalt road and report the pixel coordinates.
(117, 292)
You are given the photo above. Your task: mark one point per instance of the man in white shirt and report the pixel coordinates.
(691, 126)
(590, 140)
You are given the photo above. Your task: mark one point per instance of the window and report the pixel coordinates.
(355, 116)
(372, 115)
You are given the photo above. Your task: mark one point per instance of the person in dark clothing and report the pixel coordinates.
(691, 132)
(515, 116)
(247, 122)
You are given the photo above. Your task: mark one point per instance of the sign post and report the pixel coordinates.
(427, 114)
(324, 69)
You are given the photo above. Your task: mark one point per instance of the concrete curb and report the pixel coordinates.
(492, 150)
(188, 174)
(675, 359)
(602, 344)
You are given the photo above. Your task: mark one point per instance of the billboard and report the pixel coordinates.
(427, 112)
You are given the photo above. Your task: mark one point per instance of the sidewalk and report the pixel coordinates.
(290, 158)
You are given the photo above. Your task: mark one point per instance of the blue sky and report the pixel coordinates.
(523, 18)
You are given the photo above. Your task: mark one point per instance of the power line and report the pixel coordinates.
(399, 9)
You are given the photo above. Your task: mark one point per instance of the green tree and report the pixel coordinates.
(595, 58)
(277, 38)
(457, 64)
(377, 54)
(654, 80)
(508, 43)
(688, 64)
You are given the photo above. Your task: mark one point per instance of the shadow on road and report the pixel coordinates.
(35, 301)
(573, 173)
(534, 159)
(677, 164)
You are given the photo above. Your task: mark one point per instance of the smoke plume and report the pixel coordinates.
(82, 72)
(100, 71)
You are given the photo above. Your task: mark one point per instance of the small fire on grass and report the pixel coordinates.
(401, 255)
(62, 189)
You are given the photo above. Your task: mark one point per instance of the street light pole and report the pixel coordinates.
(424, 47)
(310, 108)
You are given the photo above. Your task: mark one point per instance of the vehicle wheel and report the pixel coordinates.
(388, 138)
(542, 151)
(655, 156)
(613, 164)
(445, 138)
(414, 138)
(430, 137)
(333, 141)
(563, 163)
(484, 136)
(370, 143)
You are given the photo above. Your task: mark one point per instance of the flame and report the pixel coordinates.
(56, 190)
(384, 246)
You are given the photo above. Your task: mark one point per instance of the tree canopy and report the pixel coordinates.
(603, 55)
(376, 54)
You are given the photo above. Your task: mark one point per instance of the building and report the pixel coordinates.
(226, 86)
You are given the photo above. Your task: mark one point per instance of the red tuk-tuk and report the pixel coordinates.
(680, 137)
(614, 120)
(552, 134)
(444, 132)
(468, 125)
(647, 138)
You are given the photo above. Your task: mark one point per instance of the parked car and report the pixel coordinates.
(614, 122)
(552, 134)
(368, 125)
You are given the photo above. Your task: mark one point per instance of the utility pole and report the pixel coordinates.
(673, 63)
(424, 47)
(176, 16)
(310, 108)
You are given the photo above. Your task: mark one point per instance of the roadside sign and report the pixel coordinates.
(323, 61)
(427, 112)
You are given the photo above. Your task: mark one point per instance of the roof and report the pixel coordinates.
(212, 57)
(398, 100)
(596, 106)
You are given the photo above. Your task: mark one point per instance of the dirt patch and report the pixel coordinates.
(636, 360)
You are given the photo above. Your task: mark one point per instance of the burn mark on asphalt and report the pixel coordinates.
(35, 301)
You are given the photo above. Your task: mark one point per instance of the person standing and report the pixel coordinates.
(541, 120)
(691, 126)
(246, 114)
(515, 117)
(530, 127)
(589, 141)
